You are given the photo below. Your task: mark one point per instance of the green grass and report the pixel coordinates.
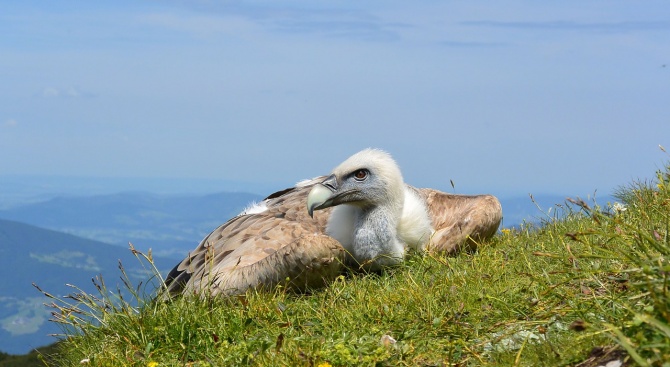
(542, 295)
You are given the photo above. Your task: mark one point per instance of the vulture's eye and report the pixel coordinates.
(361, 175)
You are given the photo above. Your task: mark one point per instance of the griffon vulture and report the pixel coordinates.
(362, 215)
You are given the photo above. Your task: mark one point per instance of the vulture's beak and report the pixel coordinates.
(323, 195)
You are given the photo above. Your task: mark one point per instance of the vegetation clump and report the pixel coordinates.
(588, 283)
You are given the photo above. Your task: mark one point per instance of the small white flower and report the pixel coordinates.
(85, 361)
(618, 207)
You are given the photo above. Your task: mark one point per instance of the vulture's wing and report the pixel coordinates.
(461, 221)
(280, 245)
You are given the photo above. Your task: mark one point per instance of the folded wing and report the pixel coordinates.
(279, 245)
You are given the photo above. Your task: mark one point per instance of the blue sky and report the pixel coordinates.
(503, 97)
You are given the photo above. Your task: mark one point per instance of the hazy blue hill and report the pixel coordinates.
(18, 190)
(170, 224)
(51, 260)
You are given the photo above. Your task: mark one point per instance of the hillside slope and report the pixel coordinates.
(51, 260)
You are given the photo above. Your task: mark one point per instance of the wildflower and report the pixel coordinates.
(618, 207)
(505, 231)
(152, 364)
(324, 364)
(85, 361)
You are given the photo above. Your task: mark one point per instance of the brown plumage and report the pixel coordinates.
(461, 221)
(278, 242)
(281, 245)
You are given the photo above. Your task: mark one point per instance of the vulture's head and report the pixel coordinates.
(368, 179)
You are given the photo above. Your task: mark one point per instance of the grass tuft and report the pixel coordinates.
(589, 278)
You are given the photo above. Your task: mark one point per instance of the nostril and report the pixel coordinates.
(330, 182)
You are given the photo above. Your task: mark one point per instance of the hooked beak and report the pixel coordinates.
(322, 195)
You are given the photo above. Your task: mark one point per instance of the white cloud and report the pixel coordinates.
(235, 21)
(50, 92)
(69, 92)
(10, 123)
(627, 26)
(73, 92)
(201, 25)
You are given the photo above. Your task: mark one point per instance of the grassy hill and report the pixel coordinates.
(51, 259)
(589, 286)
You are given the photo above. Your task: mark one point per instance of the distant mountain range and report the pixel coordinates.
(51, 260)
(18, 190)
(169, 224)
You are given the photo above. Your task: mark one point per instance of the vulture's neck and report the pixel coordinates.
(375, 236)
(378, 236)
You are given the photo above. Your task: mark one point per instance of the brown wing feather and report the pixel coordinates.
(461, 221)
(262, 250)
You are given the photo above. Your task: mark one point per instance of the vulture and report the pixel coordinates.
(362, 215)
